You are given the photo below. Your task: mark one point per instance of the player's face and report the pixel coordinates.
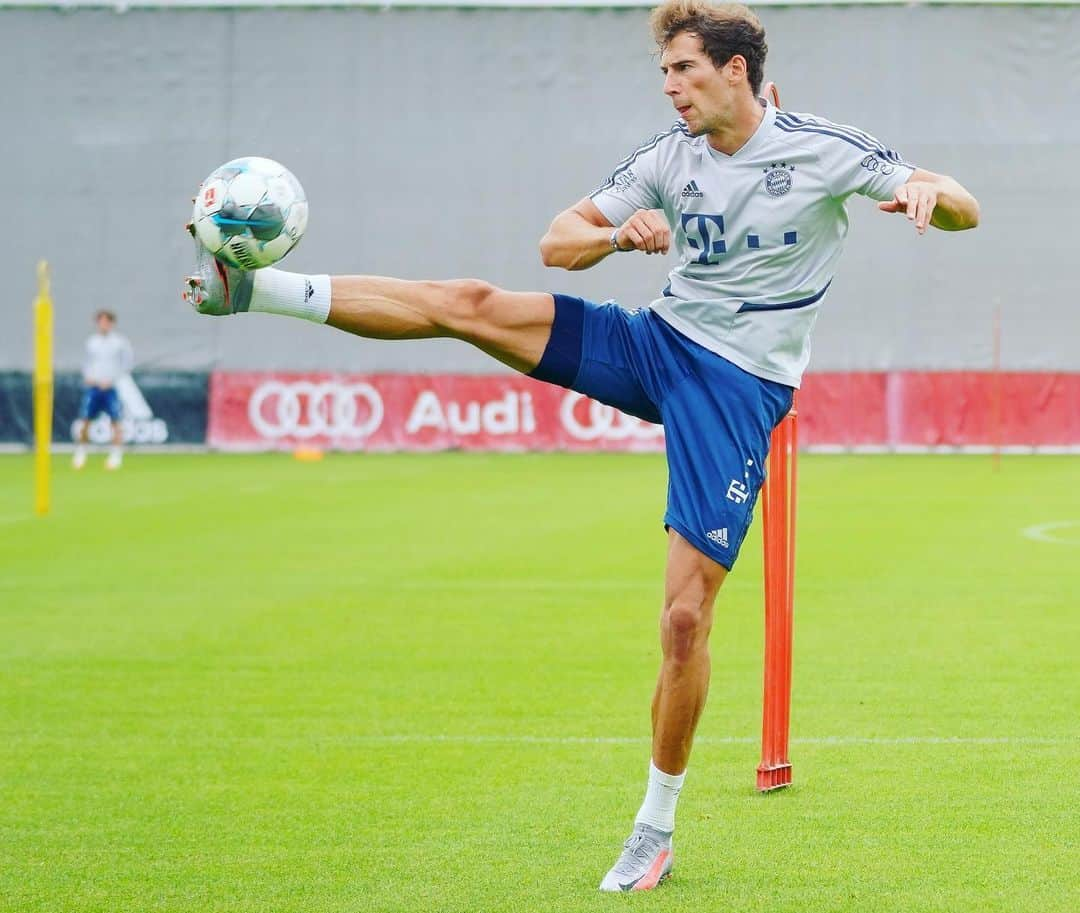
(104, 325)
(701, 92)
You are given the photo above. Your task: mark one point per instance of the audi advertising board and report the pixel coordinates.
(906, 409)
(259, 411)
(284, 411)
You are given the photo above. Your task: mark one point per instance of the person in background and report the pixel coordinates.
(109, 357)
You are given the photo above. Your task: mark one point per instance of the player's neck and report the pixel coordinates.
(729, 138)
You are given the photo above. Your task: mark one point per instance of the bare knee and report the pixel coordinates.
(469, 307)
(693, 580)
(684, 628)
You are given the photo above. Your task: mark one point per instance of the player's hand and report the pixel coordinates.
(647, 230)
(916, 200)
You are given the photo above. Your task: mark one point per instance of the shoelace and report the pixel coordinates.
(639, 846)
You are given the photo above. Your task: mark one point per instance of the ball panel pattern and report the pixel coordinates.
(250, 212)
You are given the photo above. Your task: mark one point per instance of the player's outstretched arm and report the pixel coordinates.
(581, 236)
(934, 199)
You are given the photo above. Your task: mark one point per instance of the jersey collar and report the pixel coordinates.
(755, 140)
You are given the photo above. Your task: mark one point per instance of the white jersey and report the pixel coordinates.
(109, 357)
(758, 233)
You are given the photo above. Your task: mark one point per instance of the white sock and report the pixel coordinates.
(291, 294)
(658, 809)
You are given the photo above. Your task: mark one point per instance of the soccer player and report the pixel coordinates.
(109, 357)
(753, 199)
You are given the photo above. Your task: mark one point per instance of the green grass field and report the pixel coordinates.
(421, 683)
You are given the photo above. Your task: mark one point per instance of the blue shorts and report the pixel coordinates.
(717, 417)
(95, 401)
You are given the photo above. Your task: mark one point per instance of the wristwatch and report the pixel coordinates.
(615, 243)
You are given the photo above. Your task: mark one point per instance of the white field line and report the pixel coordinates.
(11, 739)
(434, 585)
(419, 738)
(1054, 532)
(523, 585)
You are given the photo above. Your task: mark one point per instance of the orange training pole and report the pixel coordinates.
(778, 526)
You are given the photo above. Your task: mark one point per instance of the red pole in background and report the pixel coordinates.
(778, 526)
(997, 387)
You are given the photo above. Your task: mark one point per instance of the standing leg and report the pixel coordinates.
(116, 453)
(691, 583)
(115, 410)
(82, 429)
(82, 435)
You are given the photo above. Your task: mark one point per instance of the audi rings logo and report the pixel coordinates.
(303, 409)
(599, 422)
(873, 163)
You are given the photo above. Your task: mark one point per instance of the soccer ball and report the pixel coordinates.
(250, 212)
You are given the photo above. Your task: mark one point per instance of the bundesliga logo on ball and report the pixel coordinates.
(250, 212)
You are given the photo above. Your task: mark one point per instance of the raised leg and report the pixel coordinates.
(513, 327)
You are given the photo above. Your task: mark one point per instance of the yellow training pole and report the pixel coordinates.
(43, 389)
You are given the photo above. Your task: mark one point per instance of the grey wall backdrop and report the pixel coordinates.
(439, 143)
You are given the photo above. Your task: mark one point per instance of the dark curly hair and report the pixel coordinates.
(725, 29)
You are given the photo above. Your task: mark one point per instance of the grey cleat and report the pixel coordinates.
(646, 860)
(216, 288)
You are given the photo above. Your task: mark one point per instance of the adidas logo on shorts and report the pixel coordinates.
(719, 536)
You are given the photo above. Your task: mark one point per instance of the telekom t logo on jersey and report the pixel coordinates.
(705, 233)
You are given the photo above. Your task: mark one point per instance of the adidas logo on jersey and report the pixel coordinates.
(691, 190)
(719, 536)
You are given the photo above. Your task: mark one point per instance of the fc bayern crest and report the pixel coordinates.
(778, 178)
